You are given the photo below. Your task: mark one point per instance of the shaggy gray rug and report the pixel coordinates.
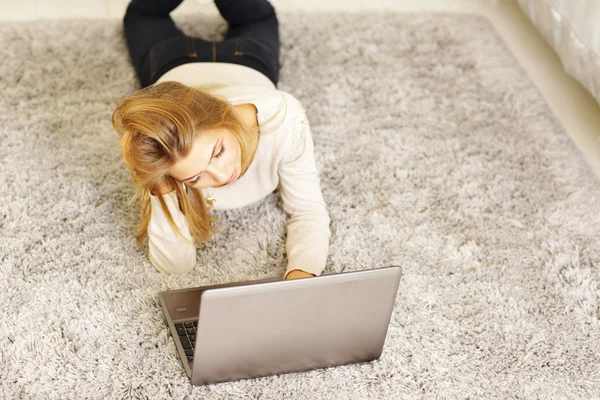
(436, 153)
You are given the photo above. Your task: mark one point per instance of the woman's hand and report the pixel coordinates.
(295, 274)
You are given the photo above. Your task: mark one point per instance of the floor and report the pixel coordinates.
(574, 106)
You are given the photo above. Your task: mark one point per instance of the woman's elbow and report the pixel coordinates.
(170, 268)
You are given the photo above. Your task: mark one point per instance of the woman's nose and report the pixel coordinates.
(218, 172)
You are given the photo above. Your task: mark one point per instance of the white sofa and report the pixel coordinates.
(572, 28)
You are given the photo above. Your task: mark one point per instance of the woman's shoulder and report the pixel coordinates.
(243, 90)
(238, 92)
(274, 106)
(281, 116)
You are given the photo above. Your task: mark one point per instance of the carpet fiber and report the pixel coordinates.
(436, 152)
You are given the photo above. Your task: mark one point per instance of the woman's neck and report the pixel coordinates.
(249, 117)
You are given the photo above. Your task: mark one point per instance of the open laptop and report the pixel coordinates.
(257, 328)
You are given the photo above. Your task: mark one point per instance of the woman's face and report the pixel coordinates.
(215, 160)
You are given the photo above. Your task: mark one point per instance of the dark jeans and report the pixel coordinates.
(156, 45)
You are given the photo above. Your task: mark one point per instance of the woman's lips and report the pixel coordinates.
(233, 176)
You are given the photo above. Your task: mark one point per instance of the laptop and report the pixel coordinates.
(267, 327)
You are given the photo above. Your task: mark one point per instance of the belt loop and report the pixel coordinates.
(191, 48)
(238, 51)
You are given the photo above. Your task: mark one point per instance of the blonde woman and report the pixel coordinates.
(209, 130)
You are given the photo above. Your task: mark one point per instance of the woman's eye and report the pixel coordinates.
(219, 154)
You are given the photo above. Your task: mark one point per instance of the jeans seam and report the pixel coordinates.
(151, 60)
(259, 59)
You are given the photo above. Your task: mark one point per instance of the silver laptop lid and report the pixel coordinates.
(295, 325)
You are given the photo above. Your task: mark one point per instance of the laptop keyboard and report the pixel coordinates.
(187, 336)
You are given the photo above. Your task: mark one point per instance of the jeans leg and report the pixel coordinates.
(156, 45)
(241, 12)
(255, 24)
(146, 23)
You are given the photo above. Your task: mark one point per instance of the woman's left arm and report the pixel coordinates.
(308, 233)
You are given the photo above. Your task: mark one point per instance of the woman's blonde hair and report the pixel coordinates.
(157, 126)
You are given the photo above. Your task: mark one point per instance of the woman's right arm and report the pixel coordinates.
(167, 252)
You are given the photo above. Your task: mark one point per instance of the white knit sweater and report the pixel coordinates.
(284, 158)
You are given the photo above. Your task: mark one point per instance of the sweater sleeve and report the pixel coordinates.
(308, 233)
(167, 252)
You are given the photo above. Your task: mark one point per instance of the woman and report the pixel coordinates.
(210, 130)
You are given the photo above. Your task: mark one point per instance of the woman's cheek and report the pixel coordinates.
(233, 157)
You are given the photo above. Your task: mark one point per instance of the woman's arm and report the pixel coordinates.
(308, 233)
(295, 274)
(167, 252)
